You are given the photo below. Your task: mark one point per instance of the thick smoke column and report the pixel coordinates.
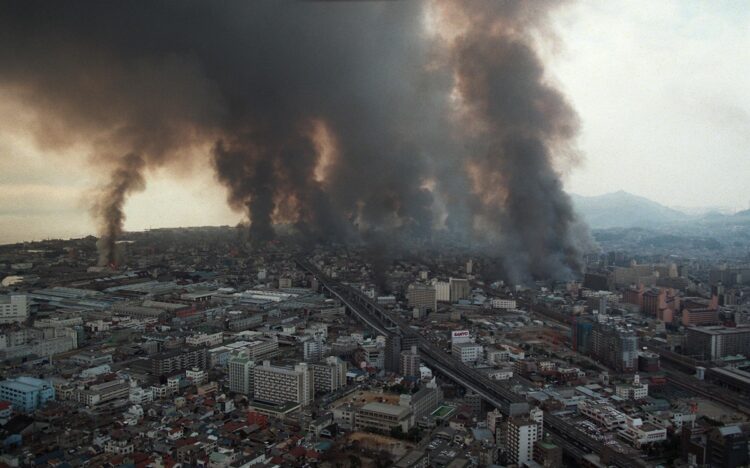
(124, 180)
(133, 110)
(516, 122)
(347, 121)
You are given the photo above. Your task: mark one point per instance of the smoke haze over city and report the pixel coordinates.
(336, 118)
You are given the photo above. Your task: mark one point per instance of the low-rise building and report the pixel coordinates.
(639, 433)
(424, 401)
(636, 390)
(106, 391)
(205, 339)
(383, 417)
(26, 394)
(498, 303)
(603, 414)
(467, 352)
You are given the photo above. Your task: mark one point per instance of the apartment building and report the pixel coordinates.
(172, 361)
(329, 375)
(241, 373)
(100, 393)
(521, 435)
(13, 309)
(279, 385)
(421, 296)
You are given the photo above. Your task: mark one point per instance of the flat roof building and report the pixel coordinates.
(383, 417)
(281, 384)
(714, 343)
(26, 394)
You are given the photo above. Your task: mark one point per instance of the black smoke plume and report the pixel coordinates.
(517, 123)
(125, 179)
(410, 120)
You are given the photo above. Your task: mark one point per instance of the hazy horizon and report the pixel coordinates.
(72, 234)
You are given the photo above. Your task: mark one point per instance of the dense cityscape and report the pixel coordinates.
(199, 351)
(370, 234)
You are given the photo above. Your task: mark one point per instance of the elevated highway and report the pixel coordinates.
(575, 443)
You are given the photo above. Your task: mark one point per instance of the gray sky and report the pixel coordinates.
(662, 91)
(660, 87)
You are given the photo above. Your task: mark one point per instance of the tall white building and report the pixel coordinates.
(521, 435)
(442, 291)
(241, 375)
(13, 308)
(281, 384)
(537, 415)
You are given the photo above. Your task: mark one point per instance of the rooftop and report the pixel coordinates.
(385, 408)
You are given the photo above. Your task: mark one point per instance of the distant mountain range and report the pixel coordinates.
(625, 210)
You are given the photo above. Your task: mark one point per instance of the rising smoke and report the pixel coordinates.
(125, 179)
(345, 120)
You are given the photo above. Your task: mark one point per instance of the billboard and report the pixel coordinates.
(460, 336)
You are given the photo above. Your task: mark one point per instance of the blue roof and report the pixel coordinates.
(25, 384)
(323, 446)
